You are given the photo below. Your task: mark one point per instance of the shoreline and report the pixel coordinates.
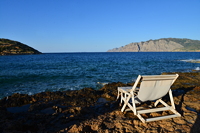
(89, 110)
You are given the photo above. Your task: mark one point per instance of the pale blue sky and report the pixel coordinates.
(96, 25)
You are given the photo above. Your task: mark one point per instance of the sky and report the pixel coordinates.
(96, 25)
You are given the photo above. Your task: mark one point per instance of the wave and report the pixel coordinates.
(197, 69)
(192, 60)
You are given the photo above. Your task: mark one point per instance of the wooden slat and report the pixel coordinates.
(153, 110)
(161, 117)
(158, 77)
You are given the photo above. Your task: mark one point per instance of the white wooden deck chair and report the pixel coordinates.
(151, 88)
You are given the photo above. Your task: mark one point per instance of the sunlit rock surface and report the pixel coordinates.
(89, 110)
(161, 45)
(10, 47)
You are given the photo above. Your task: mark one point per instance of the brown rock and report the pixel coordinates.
(90, 110)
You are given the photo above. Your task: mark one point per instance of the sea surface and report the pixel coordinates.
(30, 74)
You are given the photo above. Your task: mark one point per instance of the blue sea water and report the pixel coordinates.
(30, 74)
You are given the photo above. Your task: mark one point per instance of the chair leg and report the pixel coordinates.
(171, 99)
(156, 103)
(141, 118)
(117, 95)
(121, 97)
(134, 106)
(126, 100)
(122, 110)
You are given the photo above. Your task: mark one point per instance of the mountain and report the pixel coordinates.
(161, 45)
(10, 47)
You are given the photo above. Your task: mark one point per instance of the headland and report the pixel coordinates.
(10, 47)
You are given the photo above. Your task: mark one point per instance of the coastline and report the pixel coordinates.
(31, 74)
(89, 110)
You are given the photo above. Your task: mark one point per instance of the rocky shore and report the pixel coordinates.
(89, 110)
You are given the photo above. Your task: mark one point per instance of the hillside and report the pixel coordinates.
(161, 45)
(10, 47)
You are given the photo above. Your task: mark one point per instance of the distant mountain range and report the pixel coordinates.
(10, 47)
(161, 45)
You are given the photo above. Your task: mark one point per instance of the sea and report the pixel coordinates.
(31, 74)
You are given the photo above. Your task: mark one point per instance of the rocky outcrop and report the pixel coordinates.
(89, 110)
(161, 45)
(10, 47)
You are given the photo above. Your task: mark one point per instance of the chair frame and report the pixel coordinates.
(129, 93)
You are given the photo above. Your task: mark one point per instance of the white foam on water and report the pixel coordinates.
(102, 83)
(191, 60)
(197, 68)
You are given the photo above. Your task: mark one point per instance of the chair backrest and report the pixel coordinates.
(153, 87)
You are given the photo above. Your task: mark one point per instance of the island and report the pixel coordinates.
(10, 47)
(161, 45)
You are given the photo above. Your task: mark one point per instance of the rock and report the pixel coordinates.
(160, 45)
(10, 47)
(90, 110)
(20, 109)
